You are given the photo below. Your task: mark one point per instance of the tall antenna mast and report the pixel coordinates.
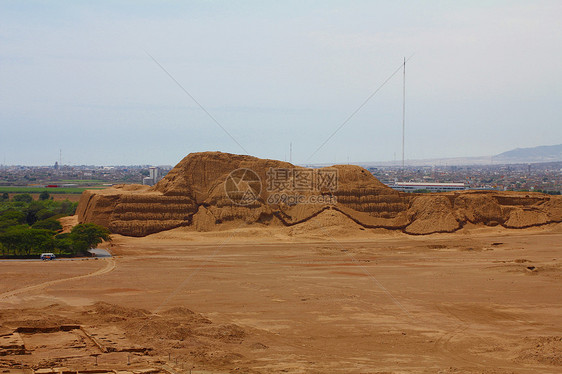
(291, 152)
(60, 157)
(403, 110)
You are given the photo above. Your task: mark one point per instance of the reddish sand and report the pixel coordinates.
(321, 300)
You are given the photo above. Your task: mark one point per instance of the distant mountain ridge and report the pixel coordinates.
(543, 153)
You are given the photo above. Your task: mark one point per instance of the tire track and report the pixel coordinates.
(110, 266)
(444, 346)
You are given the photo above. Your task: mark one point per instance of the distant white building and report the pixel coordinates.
(432, 187)
(154, 175)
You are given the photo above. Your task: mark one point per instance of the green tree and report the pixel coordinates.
(87, 235)
(5, 224)
(44, 214)
(5, 197)
(22, 240)
(40, 240)
(12, 215)
(24, 197)
(10, 239)
(67, 207)
(31, 212)
(63, 244)
(44, 195)
(48, 224)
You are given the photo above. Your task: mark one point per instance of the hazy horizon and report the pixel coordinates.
(484, 78)
(463, 161)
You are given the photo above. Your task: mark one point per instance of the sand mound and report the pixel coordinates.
(216, 191)
(178, 312)
(229, 333)
(68, 223)
(520, 218)
(430, 214)
(51, 341)
(330, 222)
(110, 310)
(186, 315)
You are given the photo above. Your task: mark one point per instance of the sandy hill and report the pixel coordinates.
(213, 190)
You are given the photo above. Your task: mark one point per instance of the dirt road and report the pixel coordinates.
(109, 265)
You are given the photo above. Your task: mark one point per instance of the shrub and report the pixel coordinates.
(48, 224)
(12, 215)
(87, 235)
(44, 195)
(24, 197)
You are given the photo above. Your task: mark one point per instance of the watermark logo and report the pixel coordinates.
(299, 198)
(302, 180)
(292, 186)
(243, 186)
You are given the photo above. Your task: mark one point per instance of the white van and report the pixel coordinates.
(48, 256)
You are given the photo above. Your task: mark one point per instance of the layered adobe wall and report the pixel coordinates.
(202, 192)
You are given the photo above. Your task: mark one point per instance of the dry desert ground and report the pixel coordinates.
(326, 299)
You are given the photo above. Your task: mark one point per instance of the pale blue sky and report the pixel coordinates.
(485, 77)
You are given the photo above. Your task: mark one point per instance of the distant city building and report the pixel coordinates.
(154, 175)
(432, 187)
(56, 167)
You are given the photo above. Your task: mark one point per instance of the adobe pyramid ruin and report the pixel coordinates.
(211, 189)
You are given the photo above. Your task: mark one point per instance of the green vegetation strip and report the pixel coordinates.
(51, 190)
(30, 227)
